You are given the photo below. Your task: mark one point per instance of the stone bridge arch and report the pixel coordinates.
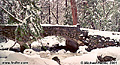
(70, 33)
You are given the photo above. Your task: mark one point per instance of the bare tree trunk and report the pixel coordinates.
(74, 11)
(1, 16)
(57, 12)
(119, 26)
(49, 13)
(66, 9)
(119, 29)
(93, 26)
(66, 3)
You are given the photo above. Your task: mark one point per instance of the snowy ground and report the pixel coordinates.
(112, 35)
(67, 58)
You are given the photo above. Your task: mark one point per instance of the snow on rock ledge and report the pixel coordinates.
(112, 35)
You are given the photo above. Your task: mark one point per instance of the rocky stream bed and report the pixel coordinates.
(95, 49)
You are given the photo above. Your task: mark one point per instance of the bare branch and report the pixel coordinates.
(11, 15)
(54, 15)
(109, 10)
(21, 4)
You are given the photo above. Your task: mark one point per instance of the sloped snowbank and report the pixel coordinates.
(92, 56)
(109, 51)
(29, 60)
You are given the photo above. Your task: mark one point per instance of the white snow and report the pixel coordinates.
(110, 0)
(9, 44)
(59, 25)
(82, 49)
(36, 44)
(103, 33)
(52, 40)
(92, 56)
(109, 51)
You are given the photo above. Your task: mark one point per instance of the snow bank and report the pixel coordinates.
(92, 56)
(9, 44)
(49, 41)
(112, 35)
(59, 25)
(109, 51)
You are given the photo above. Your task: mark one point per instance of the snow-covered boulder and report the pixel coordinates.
(29, 52)
(68, 52)
(53, 40)
(82, 49)
(62, 51)
(36, 45)
(45, 52)
(49, 41)
(8, 44)
(109, 51)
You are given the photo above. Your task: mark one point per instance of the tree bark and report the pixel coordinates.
(49, 13)
(74, 11)
(119, 26)
(57, 12)
(66, 3)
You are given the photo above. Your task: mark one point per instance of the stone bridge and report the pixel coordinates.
(72, 32)
(74, 36)
(69, 32)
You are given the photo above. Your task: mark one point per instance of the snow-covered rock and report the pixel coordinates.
(68, 52)
(53, 40)
(29, 52)
(48, 41)
(9, 44)
(47, 51)
(62, 51)
(36, 45)
(82, 49)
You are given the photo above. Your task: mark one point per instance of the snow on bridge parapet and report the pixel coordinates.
(47, 25)
(112, 35)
